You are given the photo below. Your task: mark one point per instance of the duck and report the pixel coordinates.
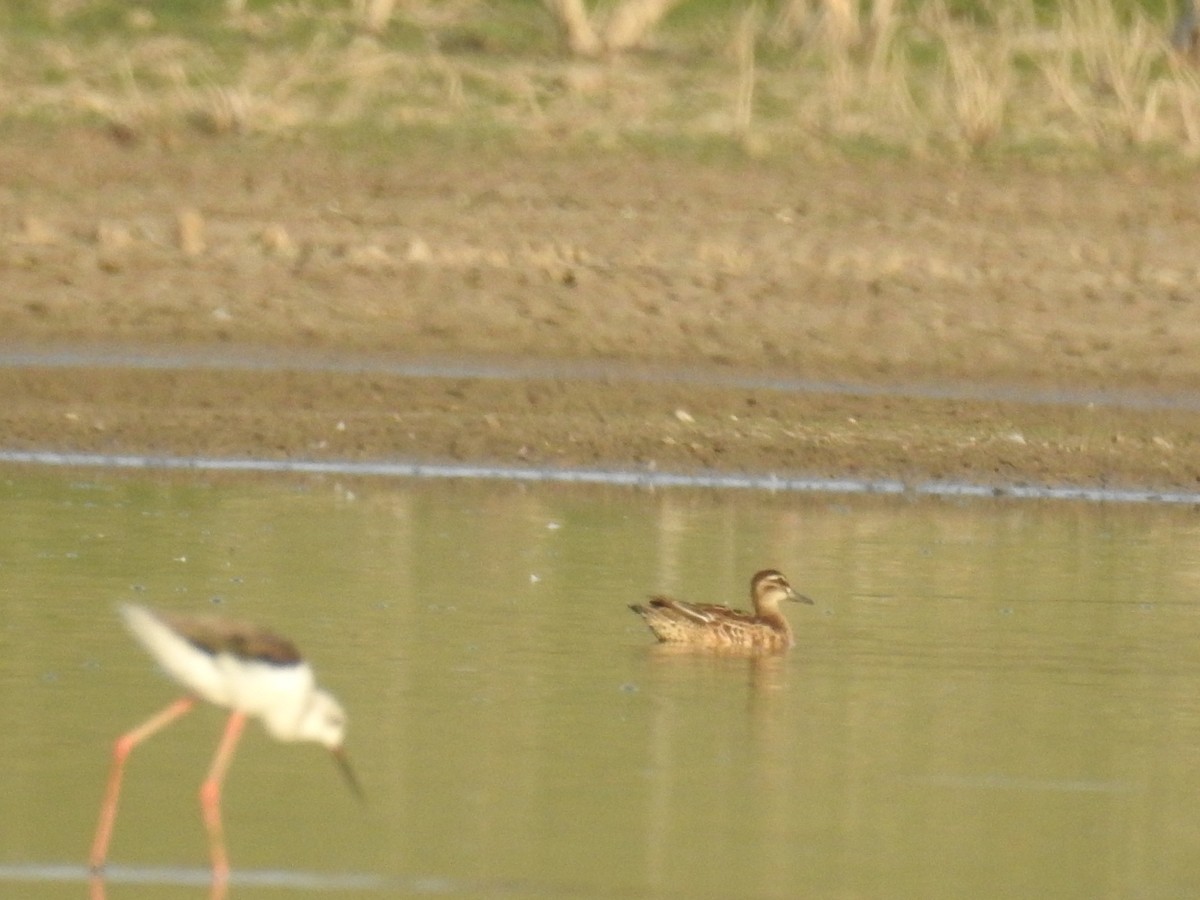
(714, 627)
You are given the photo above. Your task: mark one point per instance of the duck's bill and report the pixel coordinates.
(343, 764)
(800, 598)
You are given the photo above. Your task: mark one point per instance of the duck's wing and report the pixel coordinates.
(700, 613)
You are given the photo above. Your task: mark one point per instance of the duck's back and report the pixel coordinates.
(711, 625)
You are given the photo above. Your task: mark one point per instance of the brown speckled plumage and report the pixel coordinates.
(716, 627)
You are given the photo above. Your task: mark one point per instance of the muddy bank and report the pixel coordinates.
(557, 422)
(876, 273)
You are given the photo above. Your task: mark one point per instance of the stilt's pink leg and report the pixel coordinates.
(210, 795)
(121, 750)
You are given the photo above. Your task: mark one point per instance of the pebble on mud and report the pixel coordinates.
(189, 226)
(419, 251)
(276, 241)
(37, 232)
(113, 236)
(369, 258)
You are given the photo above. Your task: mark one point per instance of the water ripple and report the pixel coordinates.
(290, 880)
(30, 873)
(995, 781)
(641, 478)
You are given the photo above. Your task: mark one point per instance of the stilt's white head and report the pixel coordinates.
(322, 720)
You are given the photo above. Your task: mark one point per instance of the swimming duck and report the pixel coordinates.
(720, 627)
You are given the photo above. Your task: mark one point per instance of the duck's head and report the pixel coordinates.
(770, 587)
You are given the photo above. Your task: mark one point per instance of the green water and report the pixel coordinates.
(987, 700)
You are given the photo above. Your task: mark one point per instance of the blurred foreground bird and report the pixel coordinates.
(249, 670)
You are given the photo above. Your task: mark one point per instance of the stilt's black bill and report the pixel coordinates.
(339, 756)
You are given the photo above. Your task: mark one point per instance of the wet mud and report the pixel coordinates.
(994, 286)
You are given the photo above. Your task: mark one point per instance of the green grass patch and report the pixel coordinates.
(958, 78)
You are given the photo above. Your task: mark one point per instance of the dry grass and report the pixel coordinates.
(923, 83)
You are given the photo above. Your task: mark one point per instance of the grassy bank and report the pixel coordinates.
(938, 79)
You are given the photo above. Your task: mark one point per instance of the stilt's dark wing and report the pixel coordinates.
(241, 639)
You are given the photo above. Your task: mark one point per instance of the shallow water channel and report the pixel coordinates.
(988, 699)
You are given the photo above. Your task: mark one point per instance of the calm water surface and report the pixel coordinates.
(989, 699)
